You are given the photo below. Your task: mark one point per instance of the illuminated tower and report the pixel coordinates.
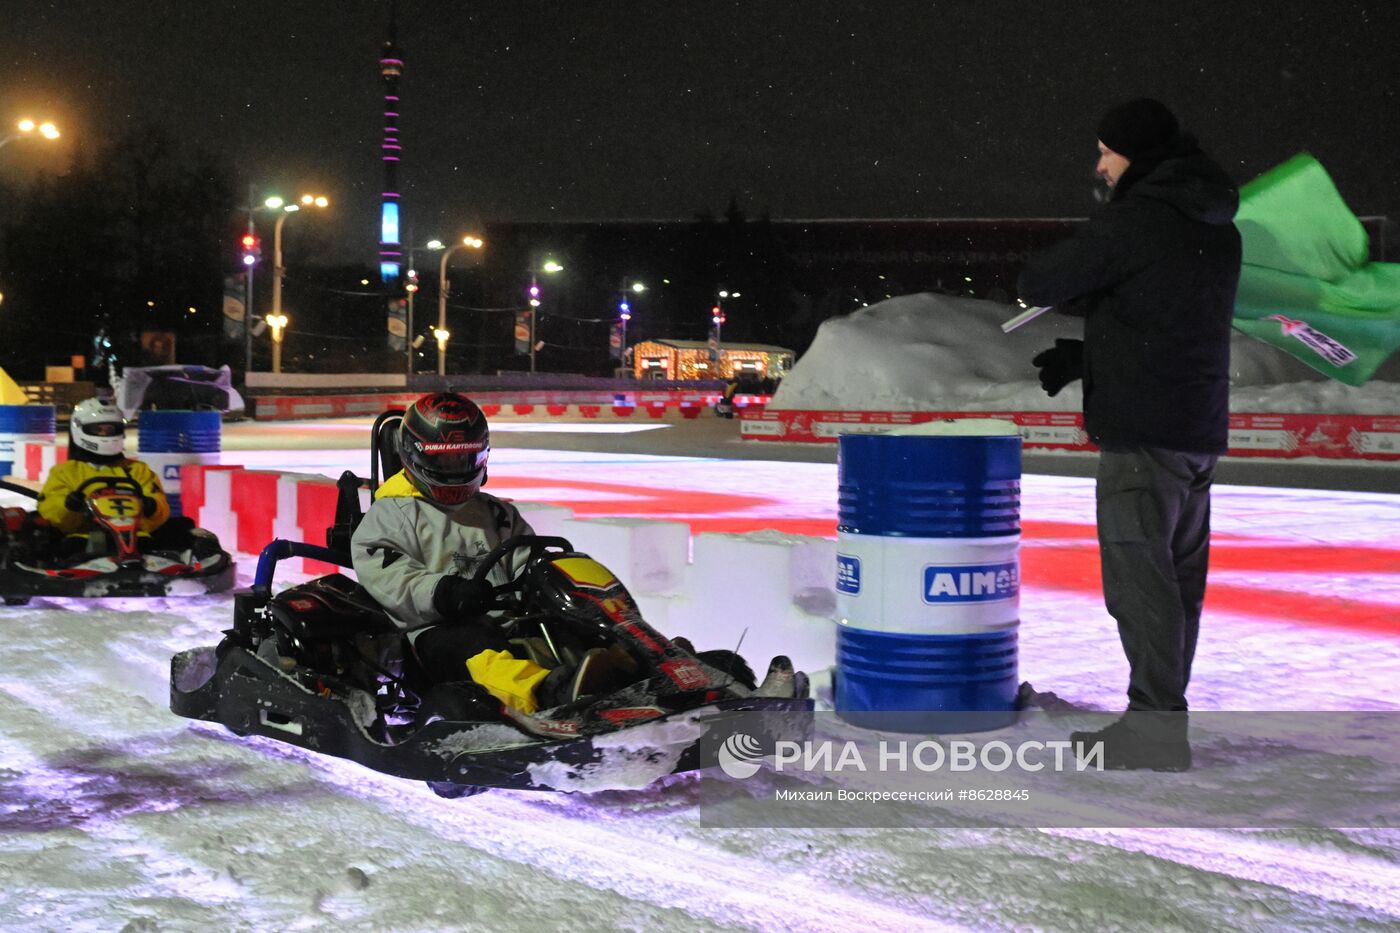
(390, 67)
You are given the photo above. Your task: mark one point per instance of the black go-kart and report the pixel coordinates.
(322, 666)
(112, 559)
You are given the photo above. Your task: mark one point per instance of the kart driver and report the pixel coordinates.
(420, 542)
(97, 447)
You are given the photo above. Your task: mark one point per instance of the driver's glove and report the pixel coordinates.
(460, 599)
(75, 502)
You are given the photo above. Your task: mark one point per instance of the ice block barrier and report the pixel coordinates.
(771, 589)
(650, 556)
(928, 577)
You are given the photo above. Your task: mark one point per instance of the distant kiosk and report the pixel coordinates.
(698, 359)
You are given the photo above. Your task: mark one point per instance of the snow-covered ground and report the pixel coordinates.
(116, 815)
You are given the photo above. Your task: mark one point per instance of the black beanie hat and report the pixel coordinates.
(1138, 128)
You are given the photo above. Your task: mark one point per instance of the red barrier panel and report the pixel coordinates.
(192, 486)
(316, 500)
(1330, 436)
(254, 501)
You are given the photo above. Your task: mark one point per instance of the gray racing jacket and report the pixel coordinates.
(405, 545)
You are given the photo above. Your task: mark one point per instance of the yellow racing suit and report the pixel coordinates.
(68, 476)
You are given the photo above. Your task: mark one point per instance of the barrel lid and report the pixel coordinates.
(960, 427)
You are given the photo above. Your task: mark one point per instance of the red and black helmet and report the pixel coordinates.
(444, 442)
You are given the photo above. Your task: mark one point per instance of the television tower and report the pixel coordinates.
(390, 67)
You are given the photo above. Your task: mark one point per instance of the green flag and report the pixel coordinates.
(1306, 286)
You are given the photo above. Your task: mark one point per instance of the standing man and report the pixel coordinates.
(1153, 275)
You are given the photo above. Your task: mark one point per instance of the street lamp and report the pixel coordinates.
(277, 322)
(717, 317)
(624, 314)
(27, 128)
(441, 332)
(279, 270)
(550, 267)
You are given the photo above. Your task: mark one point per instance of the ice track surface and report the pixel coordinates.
(115, 815)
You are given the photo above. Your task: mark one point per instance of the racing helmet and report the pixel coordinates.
(97, 426)
(443, 444)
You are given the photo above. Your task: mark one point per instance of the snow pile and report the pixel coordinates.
(943, 353)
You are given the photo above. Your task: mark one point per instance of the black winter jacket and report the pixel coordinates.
(1154, 274)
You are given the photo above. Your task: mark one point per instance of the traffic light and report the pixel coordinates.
(252, 251)
(717, 315)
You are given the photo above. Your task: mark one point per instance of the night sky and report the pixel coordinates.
(629, 110)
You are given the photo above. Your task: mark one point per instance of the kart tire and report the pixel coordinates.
(730, 663)
(454, 791)
(16, 600)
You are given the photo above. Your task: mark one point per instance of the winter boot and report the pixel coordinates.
(1139, 742)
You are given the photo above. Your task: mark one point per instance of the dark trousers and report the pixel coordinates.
(1154, 545)
(442, 651)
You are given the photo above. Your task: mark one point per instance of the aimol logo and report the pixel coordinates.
(971, 583)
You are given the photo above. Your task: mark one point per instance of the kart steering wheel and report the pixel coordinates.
(537, 544)
(112, 482)
(118, 483)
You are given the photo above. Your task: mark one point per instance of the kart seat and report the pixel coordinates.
(383, 463)
(384, 446)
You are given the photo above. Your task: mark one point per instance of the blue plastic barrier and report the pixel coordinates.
(168, 440)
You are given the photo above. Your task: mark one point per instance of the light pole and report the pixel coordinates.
(550, 267)
(27, 128)
(251, 252)
(624, 314)
(277, 321)
(441, 332)
(279, 270)
(717, 317)
(410, 288)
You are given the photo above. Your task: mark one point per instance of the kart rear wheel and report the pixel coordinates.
(453, 791)
(16, 600)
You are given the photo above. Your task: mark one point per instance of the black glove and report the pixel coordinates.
(460, 599)
(1060, 365)
(148, 506)
(75, 502)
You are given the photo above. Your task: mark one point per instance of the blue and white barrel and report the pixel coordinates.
(170, 439)
(928, 577)
(21, 424)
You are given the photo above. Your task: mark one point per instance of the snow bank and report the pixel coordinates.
(938, 352)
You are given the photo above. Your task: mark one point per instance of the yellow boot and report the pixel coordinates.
(509, 679)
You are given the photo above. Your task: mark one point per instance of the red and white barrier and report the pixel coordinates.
(1337, 437)
(532, 405)
(37, 458)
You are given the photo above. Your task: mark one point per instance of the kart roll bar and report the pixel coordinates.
(281, 549)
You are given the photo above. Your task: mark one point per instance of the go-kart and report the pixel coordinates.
(322, 666)
(112, 559)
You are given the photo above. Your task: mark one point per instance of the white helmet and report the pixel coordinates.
(98, 427)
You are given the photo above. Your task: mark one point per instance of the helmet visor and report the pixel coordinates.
(105, 429)
(449, 461)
